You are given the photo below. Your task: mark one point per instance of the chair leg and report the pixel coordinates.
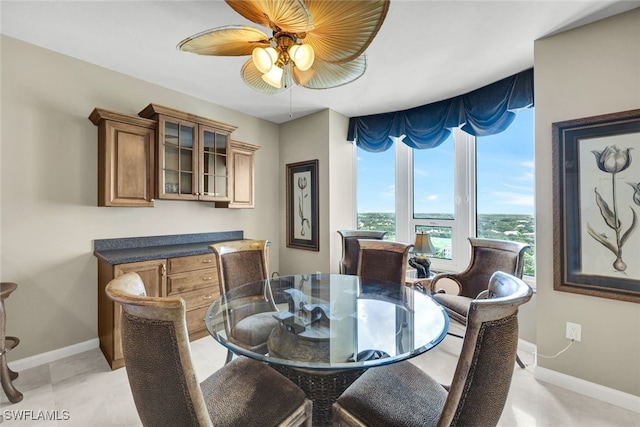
(229, 357)
(522, 365)
(5, 378)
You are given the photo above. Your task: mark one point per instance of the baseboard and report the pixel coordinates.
(596, 391)
(526, 346)
(53, 355)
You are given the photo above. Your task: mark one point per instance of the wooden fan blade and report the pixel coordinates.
(233, 40)
(253, 78)
(344, 29)
(287, 15)
(333, 75)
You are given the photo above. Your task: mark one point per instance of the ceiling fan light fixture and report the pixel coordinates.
(273, 77)
(302, 55)
(264, 58)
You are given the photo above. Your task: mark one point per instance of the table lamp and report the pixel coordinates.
(420, 262)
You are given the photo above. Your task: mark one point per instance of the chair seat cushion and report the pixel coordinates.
(395, 395)
(254, 330)
(249, 393)
(456, 306)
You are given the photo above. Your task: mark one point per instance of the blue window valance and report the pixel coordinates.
(485, 111)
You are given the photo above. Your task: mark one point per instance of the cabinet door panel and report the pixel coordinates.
(177, 158)
(195, 322)
(153, 277)
(188, 263)
(200, 298)
(125, 165)
(184, 282)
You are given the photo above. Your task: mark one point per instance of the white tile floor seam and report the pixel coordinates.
(82, 391)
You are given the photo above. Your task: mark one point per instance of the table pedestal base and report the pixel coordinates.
(322, 387)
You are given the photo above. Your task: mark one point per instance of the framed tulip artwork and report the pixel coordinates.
(302, 205)
(596, 203)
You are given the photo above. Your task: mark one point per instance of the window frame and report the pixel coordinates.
(464, 223)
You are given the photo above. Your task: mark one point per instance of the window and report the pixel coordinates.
(376, 197)
(504, 186)
(467, 186)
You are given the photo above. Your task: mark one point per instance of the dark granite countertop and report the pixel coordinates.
(135, 249)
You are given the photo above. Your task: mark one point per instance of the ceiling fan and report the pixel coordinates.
(318, 44)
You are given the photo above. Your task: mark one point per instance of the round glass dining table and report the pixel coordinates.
(323, 331)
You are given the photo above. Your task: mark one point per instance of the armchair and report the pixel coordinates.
(163, 381)
(403, 394)
(241, 262)
(487, 257)
(383, 260)
(351, 248)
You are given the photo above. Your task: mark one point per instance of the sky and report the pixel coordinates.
(504, 178)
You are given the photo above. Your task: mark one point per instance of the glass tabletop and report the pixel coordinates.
(326, 321)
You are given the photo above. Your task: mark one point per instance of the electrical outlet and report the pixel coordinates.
(574, 331)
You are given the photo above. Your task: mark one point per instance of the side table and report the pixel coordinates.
(422, 284)
(6, 344)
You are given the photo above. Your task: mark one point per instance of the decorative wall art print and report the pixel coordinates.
(596, 204)
(302, 205)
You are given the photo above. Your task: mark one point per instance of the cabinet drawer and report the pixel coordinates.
(200, 298)
(188, 263)
(185, 282)
(195, 319)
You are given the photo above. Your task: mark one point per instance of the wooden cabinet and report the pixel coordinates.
(125, 159)
(153, 275)
(242, 175)
(193, 278)
(193, 155)
(170, 154)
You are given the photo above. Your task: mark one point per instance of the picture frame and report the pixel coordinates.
(302, 206)
(596, 205)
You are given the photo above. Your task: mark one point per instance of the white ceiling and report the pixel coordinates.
(425, 51)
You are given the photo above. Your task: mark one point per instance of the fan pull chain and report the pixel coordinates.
(290, 102)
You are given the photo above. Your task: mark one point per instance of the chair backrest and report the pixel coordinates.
(156, 351)
(487, 257)
(383, 260)
(351, 248)
(240, 262)
(483, 374)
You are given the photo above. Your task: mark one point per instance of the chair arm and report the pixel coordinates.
(451, 276)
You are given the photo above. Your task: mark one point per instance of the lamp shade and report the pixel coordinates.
(302, 55)
(423, 244)
(264, 59)
(274, 77)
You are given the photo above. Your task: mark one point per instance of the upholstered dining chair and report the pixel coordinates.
(163, 381)
(383, 260)
(487, 257)
(351, 248)
(241, 262)
(403, 394)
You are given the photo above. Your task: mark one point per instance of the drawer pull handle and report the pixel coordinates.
(207, 278)
(206, 297)
(207, 261)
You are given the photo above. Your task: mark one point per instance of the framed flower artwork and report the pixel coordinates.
(302, 205)
(596, 203)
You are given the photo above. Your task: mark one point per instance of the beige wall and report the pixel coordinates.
(588, 71)
(48, 194)
(321, 136)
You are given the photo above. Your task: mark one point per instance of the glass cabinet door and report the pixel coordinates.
(177, 152)
(213, 166)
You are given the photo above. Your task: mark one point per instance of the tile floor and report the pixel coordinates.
(86, 392)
